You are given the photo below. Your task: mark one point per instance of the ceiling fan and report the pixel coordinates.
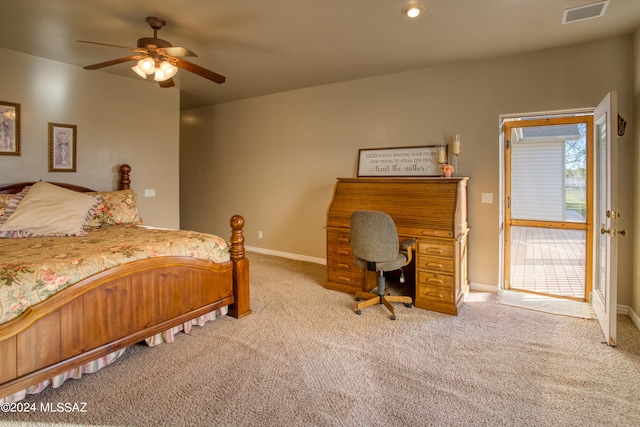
(157, 57)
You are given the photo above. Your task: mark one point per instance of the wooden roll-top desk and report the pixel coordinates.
(431, 210)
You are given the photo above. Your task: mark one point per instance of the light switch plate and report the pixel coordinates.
(487, 197)
(149, 192)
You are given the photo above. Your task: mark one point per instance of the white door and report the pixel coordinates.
(604, 296)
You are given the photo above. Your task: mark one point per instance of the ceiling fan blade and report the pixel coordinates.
(105, 44)
(176, 51)
(112, 62)
(167, 83)
(203, 72)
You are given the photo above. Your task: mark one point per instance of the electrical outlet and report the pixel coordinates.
(259, 234)
(487, 197)
(149, 192)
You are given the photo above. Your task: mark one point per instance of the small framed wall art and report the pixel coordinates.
(399, 162)
(9, 129)
(62, 147)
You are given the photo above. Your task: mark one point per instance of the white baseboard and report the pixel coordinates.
(623, 309)
(286, 255)
(483, 287)
(634, 317)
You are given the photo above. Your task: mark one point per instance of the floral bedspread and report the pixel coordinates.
(33, 269)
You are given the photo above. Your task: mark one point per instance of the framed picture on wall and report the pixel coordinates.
(401, 161)
(9, 129)
(62, 147)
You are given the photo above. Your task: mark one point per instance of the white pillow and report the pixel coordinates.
(50, 210)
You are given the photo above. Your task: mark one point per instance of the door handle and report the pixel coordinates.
(613, 232)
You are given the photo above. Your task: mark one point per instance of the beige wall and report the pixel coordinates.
(274, 159)
(118, 120)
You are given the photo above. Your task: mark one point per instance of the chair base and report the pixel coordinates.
(372, 299)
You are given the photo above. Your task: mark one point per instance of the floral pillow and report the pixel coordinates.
(9, 203)
(4, 201)
(117, 207)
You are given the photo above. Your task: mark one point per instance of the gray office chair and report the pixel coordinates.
(375, 245)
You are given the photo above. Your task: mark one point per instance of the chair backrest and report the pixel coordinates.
(373, 236)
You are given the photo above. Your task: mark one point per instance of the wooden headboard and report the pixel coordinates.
(124, 183)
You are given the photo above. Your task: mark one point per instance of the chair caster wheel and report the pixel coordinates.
(408, 305)
(358, 312)
(393, 317)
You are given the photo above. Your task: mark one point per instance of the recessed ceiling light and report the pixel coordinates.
(413, 10)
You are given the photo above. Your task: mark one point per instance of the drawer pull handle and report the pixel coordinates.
(434, 250)
(434, 265)
(344, 266)
(432, 280)
(343, 253)
(344, 279)
(343, 239)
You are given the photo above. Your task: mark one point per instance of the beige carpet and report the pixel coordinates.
(547, 304)
(303, 358)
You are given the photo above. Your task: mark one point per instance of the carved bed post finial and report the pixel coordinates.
(237, 237)
(125, 179)
(241, 292)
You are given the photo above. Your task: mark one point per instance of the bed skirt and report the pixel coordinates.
(167, 336)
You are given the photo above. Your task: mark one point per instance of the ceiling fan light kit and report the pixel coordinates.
(164, 71)
(169, 69)
(158, 57)
(147, 65)
(136, 68)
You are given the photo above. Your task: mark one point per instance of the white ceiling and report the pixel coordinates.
(268, 46)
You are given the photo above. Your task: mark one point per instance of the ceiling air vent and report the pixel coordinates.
(582, 13)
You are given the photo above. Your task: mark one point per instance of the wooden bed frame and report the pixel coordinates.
(117, 308)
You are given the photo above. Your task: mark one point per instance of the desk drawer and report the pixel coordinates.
(417, 232)
(441, 265)
(435, 279)
(435, 287)
(426, 294)
(443, 249)
(340, 251)
(339, 237)
(341, 263)
(347, 277)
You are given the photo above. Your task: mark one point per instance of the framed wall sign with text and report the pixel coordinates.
(396, 162)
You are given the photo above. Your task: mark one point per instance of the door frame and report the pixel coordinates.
(582, 117)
